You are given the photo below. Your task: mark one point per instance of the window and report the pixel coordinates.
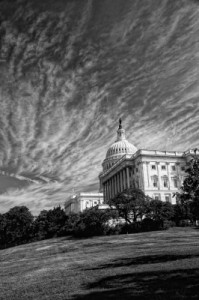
(163, 167)
(167, 198)
(165, 181)
(173, 168)
(153, 167)
(182, 168)
(136, 169)
(157, 196)
(154, 180)
(175, 182)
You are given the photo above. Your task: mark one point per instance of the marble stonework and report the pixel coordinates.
(159, 174)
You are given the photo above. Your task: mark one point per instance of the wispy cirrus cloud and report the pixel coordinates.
(70, 69)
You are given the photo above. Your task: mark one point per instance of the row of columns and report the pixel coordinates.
(116, 184)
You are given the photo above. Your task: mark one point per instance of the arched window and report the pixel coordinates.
(87, 204)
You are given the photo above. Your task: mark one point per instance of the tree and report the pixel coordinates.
(70, 224)
(160, 211)
(131, 204)
(2, 231)
(57, 219)
(50, 223)
(182, 212)
(93, 222)
(17, 225)
(190, 189)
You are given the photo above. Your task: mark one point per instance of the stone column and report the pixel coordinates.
(159, 179)
(109, 189)
(148, 175)
(124, 178)
(117, 190)
(104, 192)
(168, 175)
(127, 174)
(112, 188)
(118, 182)
(121, 182)
(178, 174)
(119, 185)
(115, 185)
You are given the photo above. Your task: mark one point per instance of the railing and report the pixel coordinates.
(192, 152)
(146, 152)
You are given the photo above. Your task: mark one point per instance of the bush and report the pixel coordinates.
(146, 224)
(150, 224)
(167, 224)
(93, 222)
(185, 223)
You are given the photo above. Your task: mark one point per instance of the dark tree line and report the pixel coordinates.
(18, 226)
(130, 211)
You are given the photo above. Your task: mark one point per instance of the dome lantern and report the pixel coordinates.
(120, 132)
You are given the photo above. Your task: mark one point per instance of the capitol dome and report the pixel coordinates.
(118, 149)
(121, 147)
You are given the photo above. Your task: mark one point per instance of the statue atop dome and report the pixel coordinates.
(120, 123)
(120, 132)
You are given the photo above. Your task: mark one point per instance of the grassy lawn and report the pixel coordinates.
(155, 265)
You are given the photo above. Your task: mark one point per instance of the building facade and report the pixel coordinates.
(159, 174)
(81, 201)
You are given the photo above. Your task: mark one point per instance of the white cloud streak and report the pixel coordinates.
(67, 75)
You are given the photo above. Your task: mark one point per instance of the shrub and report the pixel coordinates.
(93, 222)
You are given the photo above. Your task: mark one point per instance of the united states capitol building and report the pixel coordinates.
(159, 174)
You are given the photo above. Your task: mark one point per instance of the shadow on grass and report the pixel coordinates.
(142, 260)
(175, 284)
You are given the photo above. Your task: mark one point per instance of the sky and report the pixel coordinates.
(69, 69)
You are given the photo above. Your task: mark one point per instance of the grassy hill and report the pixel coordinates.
(155, 265)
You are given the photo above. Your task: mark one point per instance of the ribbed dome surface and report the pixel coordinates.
(121, 147)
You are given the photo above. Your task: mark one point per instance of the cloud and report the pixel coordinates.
(70, 69)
